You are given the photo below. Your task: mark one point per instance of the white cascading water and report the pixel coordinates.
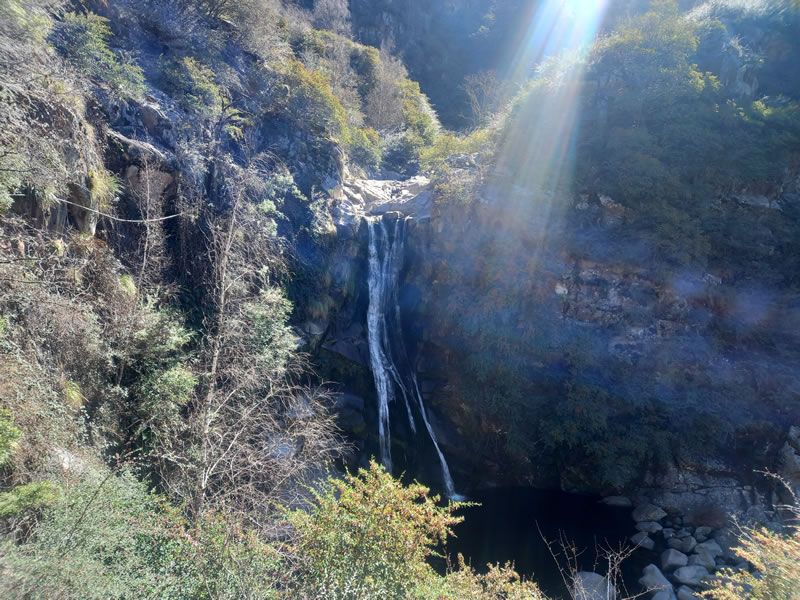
(385, 260)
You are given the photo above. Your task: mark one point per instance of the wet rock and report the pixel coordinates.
(643, 540)
(691, 575)
(648, 512)
(668, 533)
(672, 559)
(592, 586)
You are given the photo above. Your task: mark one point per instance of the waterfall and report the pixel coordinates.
(386, 348)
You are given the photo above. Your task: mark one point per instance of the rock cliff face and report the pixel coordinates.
(554, 350)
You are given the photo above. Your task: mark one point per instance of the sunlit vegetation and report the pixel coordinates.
(168, 174)
(84, 40)
(775, 557)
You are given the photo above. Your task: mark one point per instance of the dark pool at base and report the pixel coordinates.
(511, 522)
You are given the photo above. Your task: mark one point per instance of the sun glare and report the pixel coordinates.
(552, 32)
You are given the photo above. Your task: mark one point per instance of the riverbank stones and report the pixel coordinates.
(672, 559)
(653, 579)
(693, 575)
(642, 540)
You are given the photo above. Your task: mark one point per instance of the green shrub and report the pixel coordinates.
(73, 396)
(162, 395)
(368, 536)
(104, 188)
(271, 338)
(365, 148)
(775, 558)
(313, 104)
(365, 62)
(194, 85)
(28, 497)
(83, 40)
(9, 434)
(107, 537)
(418, 116)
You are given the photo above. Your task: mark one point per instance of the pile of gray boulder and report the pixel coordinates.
(688, 555)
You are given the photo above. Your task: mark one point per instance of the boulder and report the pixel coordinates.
(591, 586)
(649, 526)
(664, 595)
(642, 540)
(701, 534)
(687, 593)
(648, 512)
(653, 579)
(672, 559)
(685, 545)
(668, 533)
(691, 575)
(711, 547)
(703, 559)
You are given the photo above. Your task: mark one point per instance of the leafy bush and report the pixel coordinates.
(367, 536)
(107, 537)
(775, 558)
(104, 188)
(83, 40)
(313, 104)
(28, 497)
(365, 148)
(419, 117)
(162, 395)
(9, 434)
(194, 84)
(270, 337)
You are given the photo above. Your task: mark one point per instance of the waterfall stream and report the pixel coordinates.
(386, 348)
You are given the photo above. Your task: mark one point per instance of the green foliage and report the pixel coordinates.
(669, 140)
(9, 434)
(83, 40)
(73, 396)
(365, 62)
(437, 159)
(194, 85)
(31, 497)
(775, 557)
(160, 341)
(280, 188)
(128, 285)
(498, 583)
(418, 116)
(104, 188)
(270, 336)
(312, 103)
(456, 184)
(107, 537)
(368, 536)
(161, 396)
(365, 148)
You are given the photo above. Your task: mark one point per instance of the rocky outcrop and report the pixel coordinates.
(362, 197)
